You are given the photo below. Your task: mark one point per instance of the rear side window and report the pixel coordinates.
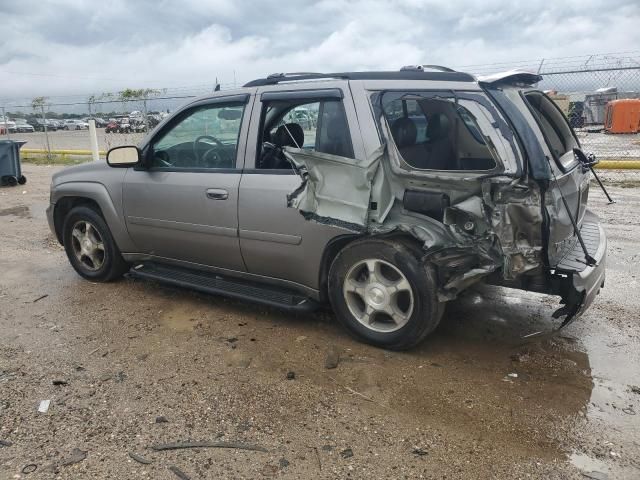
(554, 126)
(437, 133)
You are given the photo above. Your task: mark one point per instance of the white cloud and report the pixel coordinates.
(73, 47)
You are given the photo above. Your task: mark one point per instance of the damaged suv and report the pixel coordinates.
(385, 194)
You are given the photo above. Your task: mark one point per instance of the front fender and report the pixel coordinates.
(111, 208)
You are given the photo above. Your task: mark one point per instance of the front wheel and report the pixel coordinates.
(384, 294)
(90, 247)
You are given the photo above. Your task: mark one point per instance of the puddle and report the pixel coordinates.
(592, 467)
(21, 211)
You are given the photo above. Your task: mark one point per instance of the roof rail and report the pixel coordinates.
(404, 74)
(422, 68)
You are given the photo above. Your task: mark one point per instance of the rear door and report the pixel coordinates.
(276, 240)
(568, 178)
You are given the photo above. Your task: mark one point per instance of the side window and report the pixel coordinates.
(436, 133)
(554, 126)
(204, 137)
(319, 126)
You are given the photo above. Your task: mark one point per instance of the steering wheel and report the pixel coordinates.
(218, 143)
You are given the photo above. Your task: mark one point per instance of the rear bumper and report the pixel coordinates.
(581, 282)
(589, 281)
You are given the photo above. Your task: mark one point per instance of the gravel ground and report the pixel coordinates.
(133, 364)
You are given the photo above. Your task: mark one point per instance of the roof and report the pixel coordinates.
(391, 75)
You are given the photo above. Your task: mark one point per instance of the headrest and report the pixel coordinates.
(437, 127)
(289, 135)
(404, 132)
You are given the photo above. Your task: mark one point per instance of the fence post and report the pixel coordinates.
(93, 138)
(46, 132)
(6, 126)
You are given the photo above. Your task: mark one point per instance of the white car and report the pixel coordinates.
(75, 125)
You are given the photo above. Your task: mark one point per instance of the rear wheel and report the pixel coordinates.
(384, 294)
(90, 247)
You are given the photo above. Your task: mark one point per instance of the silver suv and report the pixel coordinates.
(384, 194)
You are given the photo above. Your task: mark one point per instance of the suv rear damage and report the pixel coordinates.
(385, 194)
(522, 223)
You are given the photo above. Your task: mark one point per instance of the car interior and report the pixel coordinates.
(438, 134)
(328, 132)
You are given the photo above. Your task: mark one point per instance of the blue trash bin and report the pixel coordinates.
(10, 169)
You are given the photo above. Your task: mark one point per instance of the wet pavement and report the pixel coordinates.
(475, 400)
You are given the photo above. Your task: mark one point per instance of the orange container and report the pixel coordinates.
(622, 116)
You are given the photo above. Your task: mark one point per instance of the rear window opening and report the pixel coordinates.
(437, 134)
(555, 128)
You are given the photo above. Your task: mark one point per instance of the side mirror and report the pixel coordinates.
(125, 156)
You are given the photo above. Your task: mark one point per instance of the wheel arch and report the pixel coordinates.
(337, 244)
(94, 195)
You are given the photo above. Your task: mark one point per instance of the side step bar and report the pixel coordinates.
(217, 285)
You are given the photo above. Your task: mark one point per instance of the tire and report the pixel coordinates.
(22, 180)
(109, 264)
(413, 300)
(12, 181)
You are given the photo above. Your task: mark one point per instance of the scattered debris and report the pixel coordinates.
(140, 459)
(291, 375)
(44, 406)
(76, 456)
(301, 338)
(232, 339)
(346, 453)
(181, 445)
(30, 468)
(333, 358)
(120, 377)
(60, 382)
(634, 389)
(41, 297)
(5, 443)
(327, 448)
(283, 462)
(629, 410)
(512, 375)
(315, 449)
(419, 452)
(179, 473)
(162, 419)
(595, 475)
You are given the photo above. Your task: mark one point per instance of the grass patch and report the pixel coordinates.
(55, 159)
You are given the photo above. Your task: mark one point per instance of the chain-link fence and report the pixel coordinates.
(59, 124)
(599, 94)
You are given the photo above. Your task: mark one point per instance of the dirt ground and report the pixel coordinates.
(133, 364)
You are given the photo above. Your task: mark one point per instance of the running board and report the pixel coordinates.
(217, 285)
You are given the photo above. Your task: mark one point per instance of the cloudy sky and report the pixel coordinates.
(68, 47)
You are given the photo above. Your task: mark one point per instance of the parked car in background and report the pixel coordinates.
(38, 125)
(71, 124)
(21, 126)
(112, 127)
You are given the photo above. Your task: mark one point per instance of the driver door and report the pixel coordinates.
(183, 205)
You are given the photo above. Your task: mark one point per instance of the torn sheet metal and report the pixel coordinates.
(337, 190)
(493, 222)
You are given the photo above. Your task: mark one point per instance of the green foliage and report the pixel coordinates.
(39, 102)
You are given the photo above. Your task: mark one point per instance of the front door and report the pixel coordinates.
(184, 204)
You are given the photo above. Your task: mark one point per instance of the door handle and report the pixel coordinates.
(217, 194)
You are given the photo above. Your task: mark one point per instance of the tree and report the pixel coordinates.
(140, 94)
(39, 103)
